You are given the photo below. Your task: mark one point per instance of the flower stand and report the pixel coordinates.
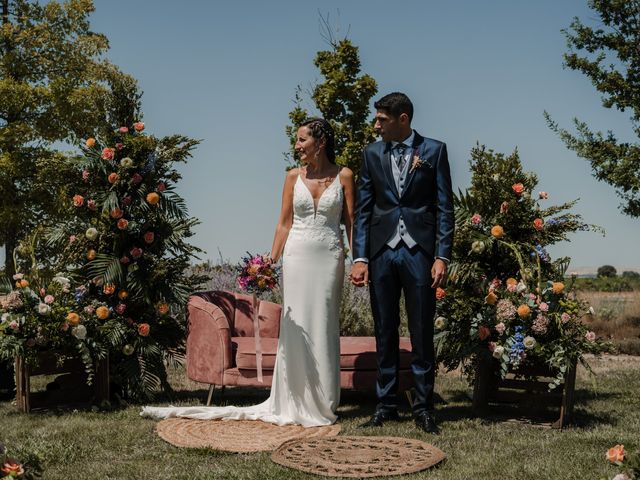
(69, 387)
(525, 390)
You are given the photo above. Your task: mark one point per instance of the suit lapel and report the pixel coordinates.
(386, 166)
(416, 150)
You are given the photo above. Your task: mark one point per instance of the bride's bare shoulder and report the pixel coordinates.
(294, 173)
(346, 175)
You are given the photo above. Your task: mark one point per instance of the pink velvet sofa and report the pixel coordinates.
(221, 345)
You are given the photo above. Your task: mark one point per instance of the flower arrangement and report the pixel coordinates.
(257, 274)
(36, 318)
(11, 468)
(628, 464)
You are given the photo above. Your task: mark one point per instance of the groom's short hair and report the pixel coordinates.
(395, 103)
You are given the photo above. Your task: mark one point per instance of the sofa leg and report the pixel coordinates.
(212, 387)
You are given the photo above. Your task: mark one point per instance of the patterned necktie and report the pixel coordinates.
(400, 160)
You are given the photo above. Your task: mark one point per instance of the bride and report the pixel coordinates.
(306, 381)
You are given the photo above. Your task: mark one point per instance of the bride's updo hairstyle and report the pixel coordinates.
(321, 130)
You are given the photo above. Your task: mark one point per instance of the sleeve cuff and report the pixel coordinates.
(445, 260)
(362, 260)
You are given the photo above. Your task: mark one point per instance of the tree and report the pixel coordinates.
(55, 86)
(607, 271)
(610, 57)
(343, 99)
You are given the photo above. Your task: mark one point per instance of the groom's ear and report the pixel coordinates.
(403, 119)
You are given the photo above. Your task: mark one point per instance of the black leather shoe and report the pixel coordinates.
(381, 416)
(427, 423)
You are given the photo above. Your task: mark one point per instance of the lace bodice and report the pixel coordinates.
(321, 222)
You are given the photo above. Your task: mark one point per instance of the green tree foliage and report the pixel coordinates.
(609, 56)
(608, 271)
(126, 246)
(343, 99)
(55, 86)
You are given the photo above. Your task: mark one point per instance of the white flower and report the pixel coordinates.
(498, 351)
(521, 287)
(495, 177)
(592, 311)
(13, 325)
(91, 233)
(621, 476)
(4, 318)
(18, 276)
(44, 309)
(529, 342)
(126, 162)
(440, 323)
(477, 246)
(590, 336)
(80, 332)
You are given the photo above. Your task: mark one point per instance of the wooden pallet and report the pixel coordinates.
(69, 387)
(524, 396)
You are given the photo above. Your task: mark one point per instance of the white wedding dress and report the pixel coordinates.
(306, 378)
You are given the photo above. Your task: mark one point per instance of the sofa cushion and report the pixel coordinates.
(268, 315)
(245, 349)
(359, 353)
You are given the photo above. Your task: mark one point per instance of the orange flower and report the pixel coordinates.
(108, 153)
(115, 213)
(12, 469)
(102, 312)
(144, 329)
(78, 200)
(497, 231)
(511, 281)
(149, 237)
(109, 288)
(557, 287)
(138, 126)
(113, 177)
(123, 294)
(22, 283)
(153, 198)
(483, 332)
(538, 223)
(518, 188)
(440, 293)
(90, 142)
(491, 298)
(123, 223)
(163, 308)
(91, 254)
(524, 311)
(616, 454)
(73, 318)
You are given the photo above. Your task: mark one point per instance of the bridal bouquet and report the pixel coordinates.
(257, 274)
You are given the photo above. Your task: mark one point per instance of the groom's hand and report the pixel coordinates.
(438, 273)
(359, 275)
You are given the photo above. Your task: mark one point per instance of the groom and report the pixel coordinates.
(402, 240)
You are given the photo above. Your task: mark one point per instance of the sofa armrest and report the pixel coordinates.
(208, 342)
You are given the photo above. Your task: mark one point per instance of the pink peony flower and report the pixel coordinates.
(476, 219)
(565, 317)
(91, 205)
(13, 325)
(590, 336)
(161, 187)
(543, 195)
(123, 129)
(89, 310)
(136, 252)
(543, 307)
(85, 175)
(512, 287)
(72, 238)
(500, 328)
(119, 146)
(49, 299)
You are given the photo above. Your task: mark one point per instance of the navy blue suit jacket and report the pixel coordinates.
(425, 204)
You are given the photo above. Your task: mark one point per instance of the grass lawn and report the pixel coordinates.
(122, 445)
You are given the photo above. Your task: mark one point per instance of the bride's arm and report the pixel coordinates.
(286, 216)
(349, 188)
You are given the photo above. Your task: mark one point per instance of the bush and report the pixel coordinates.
(607, 271)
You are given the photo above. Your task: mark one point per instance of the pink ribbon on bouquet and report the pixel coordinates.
(256, 335)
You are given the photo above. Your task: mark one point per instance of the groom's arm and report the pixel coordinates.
(364, 206)
(445, 217)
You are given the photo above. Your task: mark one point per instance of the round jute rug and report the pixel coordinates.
(358, 457)
(241, 436)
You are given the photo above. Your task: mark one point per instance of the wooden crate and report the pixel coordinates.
(526, 396)
(70, 382)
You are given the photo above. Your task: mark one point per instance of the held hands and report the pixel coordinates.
(438, 273)
(359, 275)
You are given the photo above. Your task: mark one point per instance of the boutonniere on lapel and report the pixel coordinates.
(416, 163)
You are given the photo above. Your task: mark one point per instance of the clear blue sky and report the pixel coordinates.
(226, 72)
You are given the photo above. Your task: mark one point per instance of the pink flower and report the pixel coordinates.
(18, 276)
(518, 188)
(161, 187)
(138, 126)
(119, 146)
(565, 317)
(126, 200)
(136, 178)
(125, 260)
(89, 310)
(72, 238)
(64, 327)
(49, 299)
(91, 205)
(85, 175)
(136, 252)
(492, 346)
(476, 219)
(78, 200)
(532, 296)
(590, 336)
(108, 153)
(512, 287)
(149, 237)
(13, 325)
(500, 328)
(543, 307)
(120, 308)
(538, 224)
(543, 195)
(123, 129)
